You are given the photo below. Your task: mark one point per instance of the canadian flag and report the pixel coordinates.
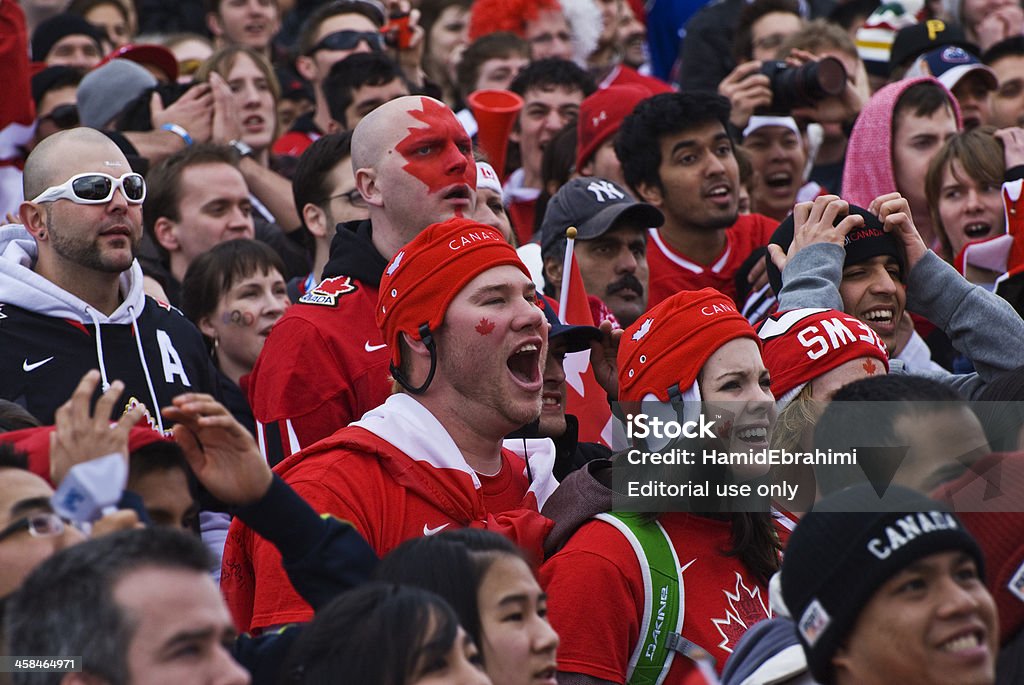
(584, 397)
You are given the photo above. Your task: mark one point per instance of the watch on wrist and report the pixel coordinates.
(243, 149)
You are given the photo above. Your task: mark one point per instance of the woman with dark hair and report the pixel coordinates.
(485, 578)
(385, 634)
(234, 294)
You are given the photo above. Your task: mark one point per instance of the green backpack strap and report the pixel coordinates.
(662, 620)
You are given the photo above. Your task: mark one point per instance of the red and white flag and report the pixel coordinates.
(584, 397)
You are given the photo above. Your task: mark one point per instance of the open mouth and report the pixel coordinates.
(879, 316)
(977, 230)
(459, 194)
(779, 180)
(552, 401)
(720, 194)
(255, 29)
(524, 364)
(547, 675)
(253, 121)
(752, 435)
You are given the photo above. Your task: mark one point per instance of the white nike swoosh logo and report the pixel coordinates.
(32, 367)
(373, 348)
(427, 530)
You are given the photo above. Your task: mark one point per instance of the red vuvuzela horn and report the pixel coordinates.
(495, 112)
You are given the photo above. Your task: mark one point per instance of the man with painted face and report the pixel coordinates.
(325, 363)
(467, 342)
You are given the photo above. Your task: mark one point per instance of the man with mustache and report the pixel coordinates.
(611, 244)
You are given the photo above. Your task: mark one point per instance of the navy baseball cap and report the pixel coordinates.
(593, 205)
(577, 337)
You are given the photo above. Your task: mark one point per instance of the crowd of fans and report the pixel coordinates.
(320, 323)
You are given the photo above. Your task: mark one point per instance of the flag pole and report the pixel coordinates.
(563, 296)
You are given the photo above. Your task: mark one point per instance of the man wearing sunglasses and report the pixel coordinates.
(332, 33)
(71, 296)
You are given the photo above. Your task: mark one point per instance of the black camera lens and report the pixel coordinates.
(805, 85)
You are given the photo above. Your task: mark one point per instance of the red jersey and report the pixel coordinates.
(323, 366)
(721, 599)
(395, 475)
(672, 271)
(293, 143)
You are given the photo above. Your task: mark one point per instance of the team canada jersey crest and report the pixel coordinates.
(328, 291)
(745, 608)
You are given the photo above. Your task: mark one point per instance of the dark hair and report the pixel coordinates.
(1000, 407)
(552, 72)
(375, 634)
(10, 458)
(215, 272)
(638, 143)
(742, 44)
(878, 402)
(163, 182)
(67, 606)
(452, 564)
(13, 417)
(923, 99)
(1008, 47)
(309, 183)
(499, 45)
(355, 71)
(310, 27)
(980, 156)
(557, 165)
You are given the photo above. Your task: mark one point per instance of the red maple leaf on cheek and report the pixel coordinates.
(485, 327)
(869, 367)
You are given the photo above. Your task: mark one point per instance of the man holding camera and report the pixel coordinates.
(677, 155)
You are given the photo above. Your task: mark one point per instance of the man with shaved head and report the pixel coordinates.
(325, 363)
(71, 295)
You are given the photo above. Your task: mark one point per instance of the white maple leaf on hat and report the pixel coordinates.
(396, 262)
(643, 330)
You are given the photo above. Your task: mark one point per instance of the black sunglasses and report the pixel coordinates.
(349, 40)
(62, 116)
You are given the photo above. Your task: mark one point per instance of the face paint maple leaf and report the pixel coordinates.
(440, 154)
(484, 327)
(869, 367)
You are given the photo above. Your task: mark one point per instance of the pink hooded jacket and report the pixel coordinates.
(868, 171)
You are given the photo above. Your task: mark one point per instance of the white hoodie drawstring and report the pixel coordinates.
(145, 371)
(99, 348)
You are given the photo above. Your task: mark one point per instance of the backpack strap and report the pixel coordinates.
(663, 597)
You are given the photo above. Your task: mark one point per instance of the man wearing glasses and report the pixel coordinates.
(30, 531)
(71, 294)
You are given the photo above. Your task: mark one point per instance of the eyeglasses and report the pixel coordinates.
(62, 116)
(353, 197)
(42, 525)
(349, 40)
(96, 188)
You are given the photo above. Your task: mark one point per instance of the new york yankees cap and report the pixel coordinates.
(594, 206)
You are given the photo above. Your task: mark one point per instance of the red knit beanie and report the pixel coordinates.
(803, 344)
(668, 346)
(423, 278)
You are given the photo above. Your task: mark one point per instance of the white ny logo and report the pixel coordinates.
(605, 190)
